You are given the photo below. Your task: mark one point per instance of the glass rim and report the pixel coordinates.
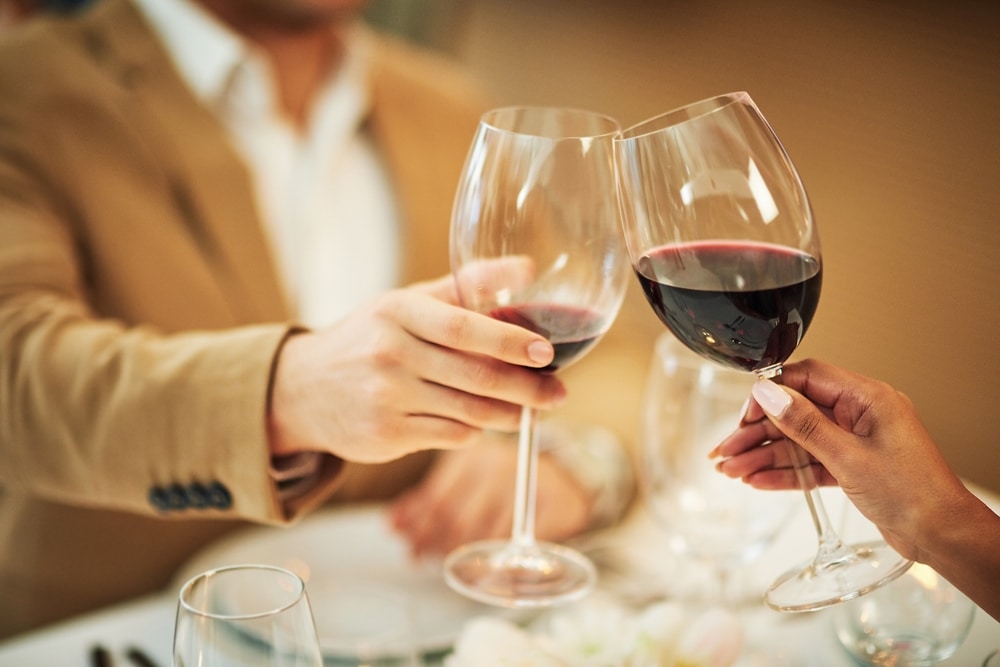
(488, 120)
(297, 594)
(666, 120)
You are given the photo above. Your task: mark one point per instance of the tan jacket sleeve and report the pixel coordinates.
(134, 358)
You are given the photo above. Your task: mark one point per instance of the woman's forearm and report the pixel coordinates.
(963, 546)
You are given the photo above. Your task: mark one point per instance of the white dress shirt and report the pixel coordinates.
(326, 201)
(322, 192)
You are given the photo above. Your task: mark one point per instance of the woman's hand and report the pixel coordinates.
(867, 437)
(859, 433)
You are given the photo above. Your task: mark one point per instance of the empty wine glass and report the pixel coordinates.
(536, 241)
(722, 238)
(689, 405)
(245, 615)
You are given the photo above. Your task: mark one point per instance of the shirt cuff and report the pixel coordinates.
(295, 474)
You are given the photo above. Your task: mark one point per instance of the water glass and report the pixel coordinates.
(919, 619)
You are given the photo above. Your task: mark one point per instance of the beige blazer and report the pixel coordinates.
(140, 310)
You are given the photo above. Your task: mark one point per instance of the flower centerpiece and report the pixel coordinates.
(598, 633)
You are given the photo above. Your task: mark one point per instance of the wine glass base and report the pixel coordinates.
(863, 568)
(505, 574)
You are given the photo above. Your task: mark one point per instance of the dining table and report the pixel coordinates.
(633, 558)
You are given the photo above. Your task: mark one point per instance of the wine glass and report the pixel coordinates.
(721, 236)
(689, 406)
(245, 615)
(536, 241)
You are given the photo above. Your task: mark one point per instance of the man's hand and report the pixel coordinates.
(410, 371)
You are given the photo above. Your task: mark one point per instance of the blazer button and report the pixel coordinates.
(197, 496)
(159, 498)
(219, 496)
(176, 497)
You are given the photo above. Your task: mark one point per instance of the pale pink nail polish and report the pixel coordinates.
(539, 352)
(771, 397)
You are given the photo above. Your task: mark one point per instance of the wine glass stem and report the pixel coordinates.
(830, 546)
(523, 531)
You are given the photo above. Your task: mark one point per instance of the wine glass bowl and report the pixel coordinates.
(722, 238)
(536, 241)
(245, 615)
(690, 404)
(721, 232)
(535, 238)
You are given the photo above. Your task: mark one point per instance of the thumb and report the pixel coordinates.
(797, 418)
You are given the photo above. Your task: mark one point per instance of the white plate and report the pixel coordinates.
(339, 548)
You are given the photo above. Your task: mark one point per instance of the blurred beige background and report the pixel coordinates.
(890, 110)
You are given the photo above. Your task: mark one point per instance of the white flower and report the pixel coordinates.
(659, 628)
(604, 634)
(713, 639)
(493, 642)
(600, 634)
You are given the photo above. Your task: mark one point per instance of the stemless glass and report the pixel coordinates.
(690, 405)
(722, 238)
(245, 615)
(536, 241)
(918, 620)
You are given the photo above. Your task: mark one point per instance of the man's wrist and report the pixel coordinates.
(280, 442)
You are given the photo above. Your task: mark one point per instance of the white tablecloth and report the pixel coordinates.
(793, 640)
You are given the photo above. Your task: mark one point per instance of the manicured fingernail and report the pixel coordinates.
(540, 352)
(715, 452)
(771, 397)
(744, 408)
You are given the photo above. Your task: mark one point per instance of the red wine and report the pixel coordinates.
(741, 304)
(572, 331)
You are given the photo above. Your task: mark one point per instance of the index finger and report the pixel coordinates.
(457, 328)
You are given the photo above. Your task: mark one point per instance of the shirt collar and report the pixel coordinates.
(210, 56)
(205, 52)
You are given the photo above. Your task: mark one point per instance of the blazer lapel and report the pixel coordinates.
(424, 134)
(212, 186)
